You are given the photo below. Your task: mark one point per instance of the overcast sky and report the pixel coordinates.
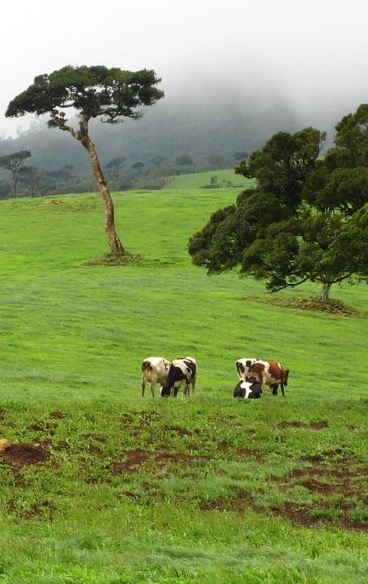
(314, 53)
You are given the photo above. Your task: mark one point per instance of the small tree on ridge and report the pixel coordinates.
(13, 163)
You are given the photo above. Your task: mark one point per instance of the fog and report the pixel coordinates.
(311, 56)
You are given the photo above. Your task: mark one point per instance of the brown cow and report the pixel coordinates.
(270, 373)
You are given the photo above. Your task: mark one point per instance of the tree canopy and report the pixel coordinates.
(307, 216)
(13, 163)
(89, 92)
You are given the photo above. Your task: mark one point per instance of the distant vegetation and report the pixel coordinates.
(176, 137)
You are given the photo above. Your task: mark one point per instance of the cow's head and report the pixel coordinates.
(284, 376)
(256, 390)
(239, 389)
(166, 390)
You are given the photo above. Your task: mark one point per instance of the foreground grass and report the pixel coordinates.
(207, 490)
(102, 486)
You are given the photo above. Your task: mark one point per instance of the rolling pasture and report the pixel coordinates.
(100, 485)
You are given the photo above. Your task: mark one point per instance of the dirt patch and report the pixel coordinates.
(155, 462)
(335, 307)
(331, 306)
(57, 415)
(334, 478)
(19, 456)
(123, 259)
(320, 425)
(134, 459)
(177, 430)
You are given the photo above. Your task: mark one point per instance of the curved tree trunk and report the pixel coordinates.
(110, 231)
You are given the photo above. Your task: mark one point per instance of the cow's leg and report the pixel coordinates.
(193, 384)
(143, 387)
(282, 389)
(188, 385)
(274, 387)
(153, 385)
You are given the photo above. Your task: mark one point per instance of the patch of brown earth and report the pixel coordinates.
(154, 461)
(313, 425)
(23, 455)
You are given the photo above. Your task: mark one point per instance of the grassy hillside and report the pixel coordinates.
(218, 178)
(101, 485)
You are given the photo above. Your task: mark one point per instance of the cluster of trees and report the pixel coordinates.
(307, 218)
(29, 180)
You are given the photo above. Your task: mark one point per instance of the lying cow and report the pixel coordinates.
(182, 372)
(270, 373)
(250, 389)
(154, 371)
(243, 365)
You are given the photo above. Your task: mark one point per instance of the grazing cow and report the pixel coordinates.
(270, 373)
(242, 366)
(250, 389)
(154, 370)
(182, 371)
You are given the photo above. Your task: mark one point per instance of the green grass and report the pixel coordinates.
(212, 489)
(201, 180)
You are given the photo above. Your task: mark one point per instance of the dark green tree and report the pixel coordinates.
(138, 167)
(13, 163)
(307, 217)
(184, 160)
(158, 160)
(30, 178)
(89, 92)
(216, 161)
(114, 167)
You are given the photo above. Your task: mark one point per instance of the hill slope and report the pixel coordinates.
(102, 485)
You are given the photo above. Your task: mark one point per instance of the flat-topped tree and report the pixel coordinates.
(87, 93)
(13, 163)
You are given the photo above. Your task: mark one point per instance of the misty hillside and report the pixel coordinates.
(167, 129)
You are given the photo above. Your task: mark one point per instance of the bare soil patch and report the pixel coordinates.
(335, 307)
(23, 455)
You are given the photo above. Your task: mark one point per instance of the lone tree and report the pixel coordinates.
(13, 163)
(307, 218)
(89, 92)
(30, 177)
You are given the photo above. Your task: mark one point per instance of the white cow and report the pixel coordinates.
(154, 370)
(243, 365)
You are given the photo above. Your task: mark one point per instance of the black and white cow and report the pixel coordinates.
(250, 389)
(182, 372)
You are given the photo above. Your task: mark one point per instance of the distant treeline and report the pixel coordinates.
(170, 138)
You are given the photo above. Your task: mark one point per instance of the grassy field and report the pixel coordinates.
(202, 180)
(102, 486)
